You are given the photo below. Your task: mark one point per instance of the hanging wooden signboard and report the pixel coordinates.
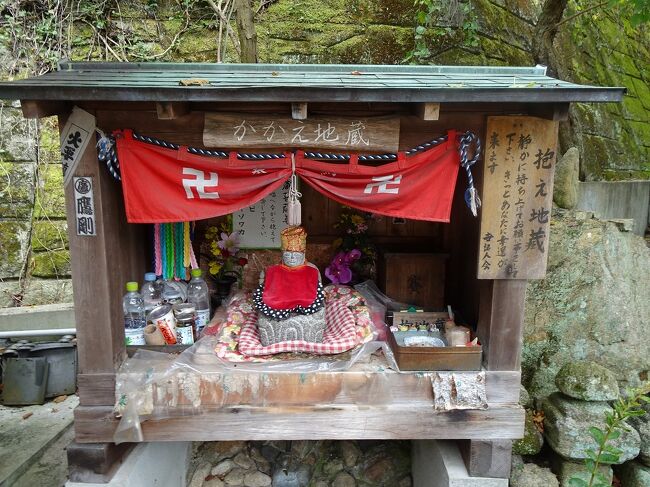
(518, 167)
(259, 226)
(245, 130)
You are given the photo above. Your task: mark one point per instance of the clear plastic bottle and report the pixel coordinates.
(198, 295)
(171, 293)
(134, 316)
(151, 292)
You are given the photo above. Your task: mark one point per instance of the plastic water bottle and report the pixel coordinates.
(198, 295)
(171, 293)
(151, 292)
(134, 317)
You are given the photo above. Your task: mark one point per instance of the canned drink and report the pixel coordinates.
(185, 322)
(163, 318)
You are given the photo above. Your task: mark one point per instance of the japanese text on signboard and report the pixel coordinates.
(84, 204)
(259, 225)
(75, 136)
(517, 197)
(251, 130)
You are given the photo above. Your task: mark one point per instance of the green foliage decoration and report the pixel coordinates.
(623, 409)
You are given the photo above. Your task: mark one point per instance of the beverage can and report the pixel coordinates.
(163, 318)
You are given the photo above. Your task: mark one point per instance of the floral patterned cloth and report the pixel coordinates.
(241, 310)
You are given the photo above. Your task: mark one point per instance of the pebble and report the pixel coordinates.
(257, 479)
(350, 453)
(235, 477)
(214, 482)
(201, 472)
(244, 461)
(344, 479)
(222, 468)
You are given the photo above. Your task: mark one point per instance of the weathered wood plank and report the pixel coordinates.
(487, 458)
(96, 389)
(299, 111)
(44, 108)
(95, 462)
(517, 196)
(171, 110)
(97, 424)
(501, 321)
(242, 131)
(429, 111)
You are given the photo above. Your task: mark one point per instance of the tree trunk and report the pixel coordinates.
(545, 31)
(246, 31)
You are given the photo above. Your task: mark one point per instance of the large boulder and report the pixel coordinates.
(566, 181)
(593, 305)
(633, 474)
(566, 470)
(588, 381)
(566, 428)
(642, 425)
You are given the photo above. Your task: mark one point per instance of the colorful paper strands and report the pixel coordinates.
(173, 253)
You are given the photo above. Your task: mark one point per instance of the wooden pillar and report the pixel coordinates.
(501, 322)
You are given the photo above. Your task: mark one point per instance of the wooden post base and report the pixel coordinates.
(487, 458)
(95, 462)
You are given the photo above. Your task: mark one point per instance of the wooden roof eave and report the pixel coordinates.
(70, 93)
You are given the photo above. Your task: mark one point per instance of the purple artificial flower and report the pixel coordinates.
(353, 255)
(229, 242)
(338, 274)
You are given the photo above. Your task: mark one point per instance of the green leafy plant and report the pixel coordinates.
(606, 453)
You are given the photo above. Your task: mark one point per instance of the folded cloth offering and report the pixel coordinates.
(339, 336)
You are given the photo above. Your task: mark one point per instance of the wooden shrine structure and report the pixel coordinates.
(485, 276)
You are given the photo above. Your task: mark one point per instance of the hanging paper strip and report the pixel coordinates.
(169, 185)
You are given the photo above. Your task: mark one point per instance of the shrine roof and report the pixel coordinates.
(302, 83)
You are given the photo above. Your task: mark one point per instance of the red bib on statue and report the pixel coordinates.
(286, 287)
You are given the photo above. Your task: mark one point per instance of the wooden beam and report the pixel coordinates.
(429, 111)
(501, 322)
(487, 458)
(43, 108)
(557, 112)
(101, 265)
(299, 111)
(96, 389)
(171, 110)
(98, 424)
(95, 462)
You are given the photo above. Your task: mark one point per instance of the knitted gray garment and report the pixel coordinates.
(309, 328)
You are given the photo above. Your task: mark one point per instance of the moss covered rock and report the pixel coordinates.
(566, 428)
(54, 263)
(531, 475)
(588, 381)
(566, 470)
(14, 247)
(566, 179)
(532, 442)
(634, 474)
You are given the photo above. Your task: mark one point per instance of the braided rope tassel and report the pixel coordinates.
(180, 250)
(169, 271)
(471, 195)
(156, 249)
(186, 244)
(163, 249)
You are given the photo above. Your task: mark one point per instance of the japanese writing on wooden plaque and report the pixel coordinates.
(245, 130)
(75, 136)
(519, 163)
(84, 203)
(259, 225)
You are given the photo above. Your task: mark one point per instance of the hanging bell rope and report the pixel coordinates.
(294, 216)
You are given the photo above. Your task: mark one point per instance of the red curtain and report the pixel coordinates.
(167, 185)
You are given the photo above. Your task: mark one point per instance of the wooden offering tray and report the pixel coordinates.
(434, 358)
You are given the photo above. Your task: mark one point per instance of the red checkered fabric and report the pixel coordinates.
(339, 336)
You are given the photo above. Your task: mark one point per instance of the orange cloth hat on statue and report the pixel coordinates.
(294, 239)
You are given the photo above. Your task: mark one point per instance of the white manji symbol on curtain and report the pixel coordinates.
(382, 182)
(200, 183)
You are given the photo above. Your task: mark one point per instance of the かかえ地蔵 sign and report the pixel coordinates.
(242, 130)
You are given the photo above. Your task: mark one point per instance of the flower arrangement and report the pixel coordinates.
(224, 253)
(355, 259)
